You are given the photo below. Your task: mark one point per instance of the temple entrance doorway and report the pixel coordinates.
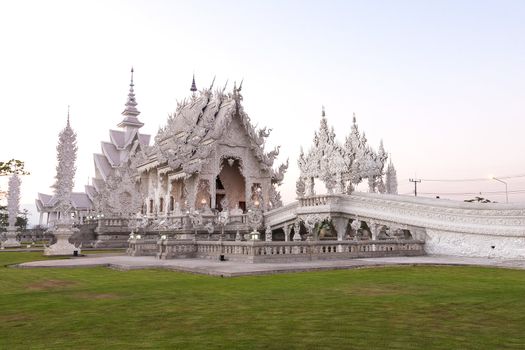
(230, 186)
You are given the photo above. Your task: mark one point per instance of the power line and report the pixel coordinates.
(474, 179)
(469, 193)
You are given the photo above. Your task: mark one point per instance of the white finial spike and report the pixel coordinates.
(225, 85)
(323, 113)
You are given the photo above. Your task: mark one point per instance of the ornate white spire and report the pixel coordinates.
(13, 199)
(131, 112)
(66, 156)
(63, 227)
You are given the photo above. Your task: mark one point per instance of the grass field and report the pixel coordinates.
(381, 308)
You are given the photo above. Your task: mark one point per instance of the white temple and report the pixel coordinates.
(209, 156)
(207, 188)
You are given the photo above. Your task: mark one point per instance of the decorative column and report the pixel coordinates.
(356, 225)
(310, 185)
(191, 190)
(268, 234)
(248, 192)
(340, 225)
(213, 192)
(374, 230)
(13, 203)
(309, 222)
(287, 229)
(170, 210)
(255, 219)
(63, 228)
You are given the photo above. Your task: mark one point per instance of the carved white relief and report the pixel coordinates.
(341, 166)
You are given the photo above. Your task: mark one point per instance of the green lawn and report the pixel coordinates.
(381, 308)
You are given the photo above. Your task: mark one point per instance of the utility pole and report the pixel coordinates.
(506, 188)
(415, 181)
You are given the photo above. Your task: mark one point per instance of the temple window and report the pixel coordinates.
(161, 209)
(151, 205)
(172, 203)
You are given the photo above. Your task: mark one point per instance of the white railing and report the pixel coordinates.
(270, 251)
(314, 201)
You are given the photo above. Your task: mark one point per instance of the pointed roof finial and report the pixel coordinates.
(353, 118)
(323, 113)
(131, 104)
(193, 85)
(131, 112)
(67, 115)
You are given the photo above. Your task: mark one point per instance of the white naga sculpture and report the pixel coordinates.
(341, 166)
(13, 203)
(63, 226)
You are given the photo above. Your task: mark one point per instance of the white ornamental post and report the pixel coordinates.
(13, 202)
(63, 228)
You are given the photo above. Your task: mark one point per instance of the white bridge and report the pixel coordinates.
(446, 227)
(341, 226)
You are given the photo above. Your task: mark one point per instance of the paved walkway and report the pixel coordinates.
(232, 269)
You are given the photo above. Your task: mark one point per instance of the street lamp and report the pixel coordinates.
(506, 188)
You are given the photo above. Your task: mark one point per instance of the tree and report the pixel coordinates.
(13, 166)
(478, 199)
(391, 179)
(21, 219)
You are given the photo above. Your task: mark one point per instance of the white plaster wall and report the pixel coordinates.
(474, 245)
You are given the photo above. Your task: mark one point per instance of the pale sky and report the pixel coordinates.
(441, 82)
